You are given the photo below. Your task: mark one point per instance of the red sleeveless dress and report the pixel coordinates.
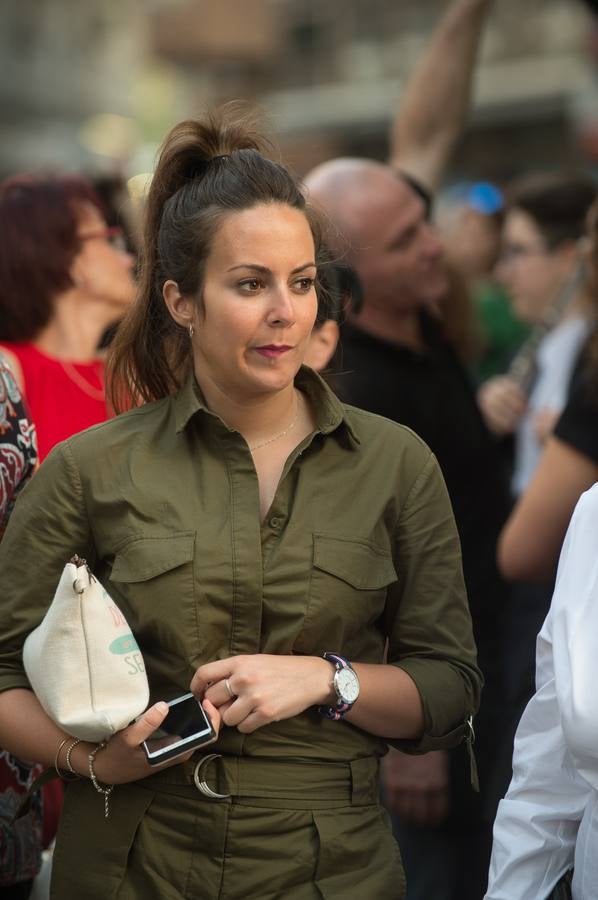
(63, 397)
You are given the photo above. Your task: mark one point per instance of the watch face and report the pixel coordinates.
(347, 685)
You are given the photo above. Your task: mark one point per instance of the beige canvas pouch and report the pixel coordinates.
(83, 661)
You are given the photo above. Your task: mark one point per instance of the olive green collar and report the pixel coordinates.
(329, 411)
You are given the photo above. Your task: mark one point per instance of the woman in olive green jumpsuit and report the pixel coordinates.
(247, 523)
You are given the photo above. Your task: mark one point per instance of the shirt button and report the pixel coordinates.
(275, 522)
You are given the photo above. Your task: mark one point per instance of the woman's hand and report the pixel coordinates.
(123, 758)
(263, 688)
(502, 403)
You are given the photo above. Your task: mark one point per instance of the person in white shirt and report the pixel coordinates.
(548, 821)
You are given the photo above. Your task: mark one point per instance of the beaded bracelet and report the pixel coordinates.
(107, 789)
(67, 757)
(69, 775)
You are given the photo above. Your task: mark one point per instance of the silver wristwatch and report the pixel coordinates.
(346, 685)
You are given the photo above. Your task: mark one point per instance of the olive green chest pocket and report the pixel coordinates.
(154, 576)
(347, 590)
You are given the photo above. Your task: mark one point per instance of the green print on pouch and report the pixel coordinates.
(124, 644)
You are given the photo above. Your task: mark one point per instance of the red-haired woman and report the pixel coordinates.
(63, 281)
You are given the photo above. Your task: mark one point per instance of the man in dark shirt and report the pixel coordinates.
(428, 390)
(395, 362)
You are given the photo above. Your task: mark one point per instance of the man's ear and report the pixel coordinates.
(322, 344)
(182, 309)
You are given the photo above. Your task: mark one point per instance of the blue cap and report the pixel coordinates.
(484, 197)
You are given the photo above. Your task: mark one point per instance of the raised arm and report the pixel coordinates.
(434, 104)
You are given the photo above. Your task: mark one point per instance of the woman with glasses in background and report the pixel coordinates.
(540, 266)
(533, 536)
(64, 279)
(549, 818)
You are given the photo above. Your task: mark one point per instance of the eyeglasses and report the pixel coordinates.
(113, 236)
(512, 252)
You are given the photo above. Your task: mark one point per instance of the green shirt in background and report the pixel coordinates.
(359, 548)
(502, 332)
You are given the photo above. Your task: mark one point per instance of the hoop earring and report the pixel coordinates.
(191, 330)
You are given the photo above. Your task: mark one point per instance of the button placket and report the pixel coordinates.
(246, 544)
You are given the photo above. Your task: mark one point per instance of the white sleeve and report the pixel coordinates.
(554, 761)
(576, 639)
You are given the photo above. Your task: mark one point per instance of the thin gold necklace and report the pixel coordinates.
(278, 436)
(83, 385)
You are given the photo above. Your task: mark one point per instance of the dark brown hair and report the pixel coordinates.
(38, 222)
(206, 170)
(557, 203)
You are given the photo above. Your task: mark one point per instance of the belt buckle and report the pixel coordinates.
(202, 786)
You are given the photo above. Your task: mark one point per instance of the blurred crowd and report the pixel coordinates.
(476, 329)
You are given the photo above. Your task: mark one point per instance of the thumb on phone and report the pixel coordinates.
(147, 723)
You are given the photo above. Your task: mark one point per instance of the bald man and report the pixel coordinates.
(379, 226)
(396, 363)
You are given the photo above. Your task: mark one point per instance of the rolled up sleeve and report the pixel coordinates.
(429, 624)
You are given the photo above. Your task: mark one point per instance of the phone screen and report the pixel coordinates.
(186, 726)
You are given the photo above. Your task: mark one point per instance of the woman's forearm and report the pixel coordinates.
(531, 540)
(389, 703)
(260, 688)
(27, 731)
(29, 734)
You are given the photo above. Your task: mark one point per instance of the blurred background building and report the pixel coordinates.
(95, 85)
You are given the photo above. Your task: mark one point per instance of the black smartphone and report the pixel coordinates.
(185, 727)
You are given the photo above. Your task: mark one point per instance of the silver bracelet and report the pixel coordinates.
(108, 788)
(61, 772)
(57, 757)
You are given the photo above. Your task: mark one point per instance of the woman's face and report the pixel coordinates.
(102, 270)
(258, 301)
(527, 268)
